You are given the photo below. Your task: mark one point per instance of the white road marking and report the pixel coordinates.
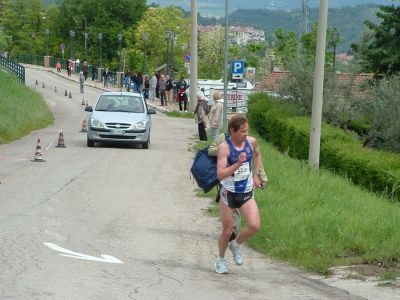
(104, 258)
(48, 147)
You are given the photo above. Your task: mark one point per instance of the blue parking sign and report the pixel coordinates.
(237, 69)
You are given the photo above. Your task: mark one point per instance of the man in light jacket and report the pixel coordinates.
(216, 114)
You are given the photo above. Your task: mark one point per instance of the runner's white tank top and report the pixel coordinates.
(242, 179)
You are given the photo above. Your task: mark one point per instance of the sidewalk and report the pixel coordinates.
(99, 85)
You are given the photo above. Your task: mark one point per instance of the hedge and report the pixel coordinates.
(341, 152)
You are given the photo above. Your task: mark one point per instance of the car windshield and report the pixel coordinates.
(120, 103)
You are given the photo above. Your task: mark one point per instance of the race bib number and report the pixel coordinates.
(243, 172)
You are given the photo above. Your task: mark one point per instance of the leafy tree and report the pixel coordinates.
(268, 62)
(156, 22)
(4, 41)
(286, 45)
(382, 54)
(22, 21)
(381, 109)
(102, 16)
(211, 54)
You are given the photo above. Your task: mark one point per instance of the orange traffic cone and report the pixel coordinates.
(84, 126)
(66, 93)
(60, 143)
(43, 85)
(70, 95)
(38, 153)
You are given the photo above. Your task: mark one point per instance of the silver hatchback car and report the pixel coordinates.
(120, 117)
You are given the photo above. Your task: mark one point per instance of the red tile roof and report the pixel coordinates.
(272, 81)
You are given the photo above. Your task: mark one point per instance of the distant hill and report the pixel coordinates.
(349, 21)
(217, 7)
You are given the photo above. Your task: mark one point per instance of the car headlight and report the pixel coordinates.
(96, 123)
(139, 125)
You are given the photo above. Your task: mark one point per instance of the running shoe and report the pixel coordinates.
(221, 266)
(235, 248)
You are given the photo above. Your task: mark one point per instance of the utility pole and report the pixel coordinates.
(193, 56)
(315, 134)
(225, 114)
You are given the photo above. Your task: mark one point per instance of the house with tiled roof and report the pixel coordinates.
(271, 83)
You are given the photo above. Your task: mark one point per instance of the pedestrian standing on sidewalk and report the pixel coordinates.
(181, 96)
(69, 67)
(163, 85)
(216, 114)
(94, 71)
(146, 87)
(238, 168)
(200, 115)
(128, 81)
(85, 69)
(58, 66)
(169, 90)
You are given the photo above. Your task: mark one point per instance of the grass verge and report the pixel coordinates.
(22, 110)
(177, 114)
(318, 220)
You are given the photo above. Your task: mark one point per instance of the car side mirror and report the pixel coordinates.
(151, 111)
(89, 108)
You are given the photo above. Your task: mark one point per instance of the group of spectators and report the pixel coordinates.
(72, 65)
(158, 87)
(134, 81)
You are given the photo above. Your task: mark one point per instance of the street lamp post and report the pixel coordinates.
(47, 41)
(86, 38)
(72, 34)
(335, 40)
(120, 49)
(100, 38)
(170, 36)
(167, 35)
(172, 52)
(145, 38)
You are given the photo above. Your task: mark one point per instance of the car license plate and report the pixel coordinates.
(118, 131)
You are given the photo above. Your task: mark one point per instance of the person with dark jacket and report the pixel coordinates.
(200, 115)
(146, 87)
(94, 71)
(181, 96)
(169, 90)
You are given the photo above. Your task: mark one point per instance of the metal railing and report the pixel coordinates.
(13, 68)
(39, 60)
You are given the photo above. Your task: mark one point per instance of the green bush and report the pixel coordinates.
(340, 151)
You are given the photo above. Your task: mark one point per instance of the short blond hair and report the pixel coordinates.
(217, 95)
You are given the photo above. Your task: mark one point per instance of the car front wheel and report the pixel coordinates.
(89, 143)
(145, 145)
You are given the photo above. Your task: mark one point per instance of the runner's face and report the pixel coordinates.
(242, 133)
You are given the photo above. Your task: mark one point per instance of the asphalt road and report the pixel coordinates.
(118, 222)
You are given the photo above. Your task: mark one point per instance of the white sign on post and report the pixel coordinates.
(234, 99)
